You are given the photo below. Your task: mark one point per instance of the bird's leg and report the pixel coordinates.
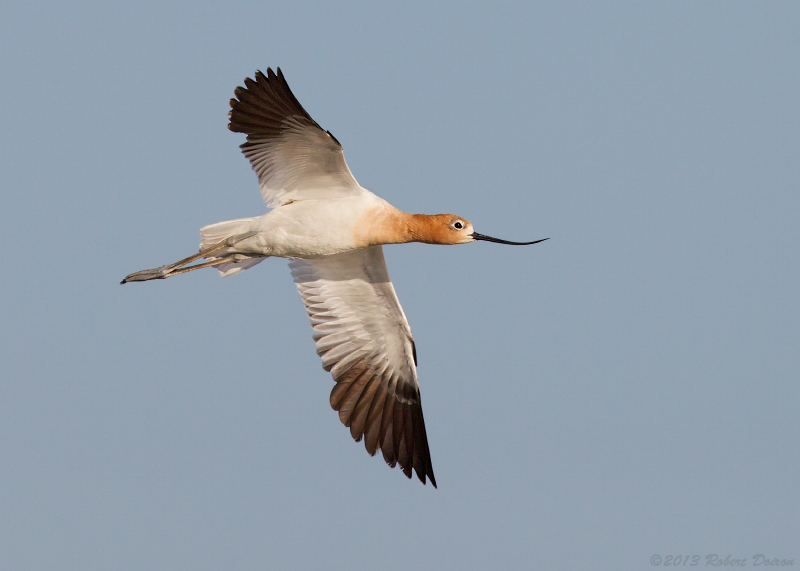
(180, 266)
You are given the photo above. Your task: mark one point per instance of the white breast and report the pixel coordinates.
(312, 228)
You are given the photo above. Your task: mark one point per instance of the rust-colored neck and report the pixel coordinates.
(388, 225)
(427, 228)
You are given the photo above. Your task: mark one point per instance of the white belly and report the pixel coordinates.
(309, 228)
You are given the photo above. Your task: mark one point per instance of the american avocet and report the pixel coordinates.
(332, 229)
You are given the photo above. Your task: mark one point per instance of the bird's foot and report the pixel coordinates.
(182, 266)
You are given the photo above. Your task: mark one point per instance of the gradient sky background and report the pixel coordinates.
(626, 389)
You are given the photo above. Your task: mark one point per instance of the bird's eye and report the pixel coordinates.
(458, 225)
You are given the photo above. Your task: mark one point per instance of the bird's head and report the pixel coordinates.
(452, 229)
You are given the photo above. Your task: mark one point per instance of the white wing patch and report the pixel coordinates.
(364, 340)
(294, 158)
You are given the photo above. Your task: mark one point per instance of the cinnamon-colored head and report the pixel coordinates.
(443, 229)
(452, 229)
(387, 225)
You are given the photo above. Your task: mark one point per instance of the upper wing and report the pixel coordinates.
(293, 157)
(365, 342)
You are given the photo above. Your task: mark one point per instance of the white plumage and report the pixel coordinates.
(332, 229)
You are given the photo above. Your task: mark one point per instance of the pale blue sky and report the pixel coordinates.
(627, 389)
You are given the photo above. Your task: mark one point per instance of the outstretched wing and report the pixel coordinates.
(364, 340)
(294, 158)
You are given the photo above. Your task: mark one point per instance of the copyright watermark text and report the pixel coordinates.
(716, 560)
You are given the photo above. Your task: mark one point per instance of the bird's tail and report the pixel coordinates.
(215, 233)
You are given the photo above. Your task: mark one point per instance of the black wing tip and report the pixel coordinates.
(270, 73)
(422, 474)
(429, 473)
(352, 394)
(263, 103)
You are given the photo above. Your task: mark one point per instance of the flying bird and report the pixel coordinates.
(332, 230)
